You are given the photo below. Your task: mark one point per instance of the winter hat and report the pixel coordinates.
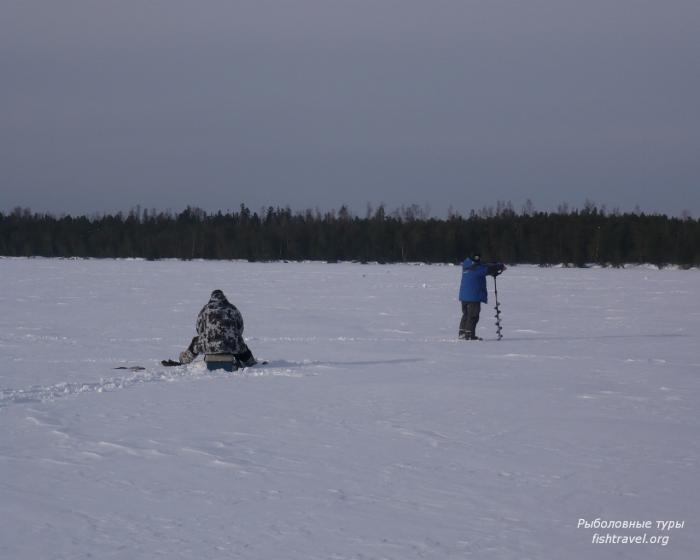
(475, 256)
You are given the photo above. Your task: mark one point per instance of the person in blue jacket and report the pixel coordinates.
(472, 292)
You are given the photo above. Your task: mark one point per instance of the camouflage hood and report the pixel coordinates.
(220, 327)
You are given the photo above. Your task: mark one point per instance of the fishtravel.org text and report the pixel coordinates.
(661, 534)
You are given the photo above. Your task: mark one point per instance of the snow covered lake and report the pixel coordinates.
(372, 433)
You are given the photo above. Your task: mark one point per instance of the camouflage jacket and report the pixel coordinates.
(219, 329)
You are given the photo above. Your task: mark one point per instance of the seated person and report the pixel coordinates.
(219, 336)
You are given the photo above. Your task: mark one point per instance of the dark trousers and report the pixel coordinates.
(470, 317)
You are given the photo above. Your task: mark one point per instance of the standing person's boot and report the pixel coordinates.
(468, 335)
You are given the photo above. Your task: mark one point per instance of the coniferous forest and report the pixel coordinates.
(571, 236)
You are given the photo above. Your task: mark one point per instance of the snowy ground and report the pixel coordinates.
(372, 433)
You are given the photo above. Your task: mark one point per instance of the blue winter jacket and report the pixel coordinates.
(473, 287)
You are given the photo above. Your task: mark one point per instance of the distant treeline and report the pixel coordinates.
(578, 237)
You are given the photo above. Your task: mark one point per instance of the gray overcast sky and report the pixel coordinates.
(314, 103)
